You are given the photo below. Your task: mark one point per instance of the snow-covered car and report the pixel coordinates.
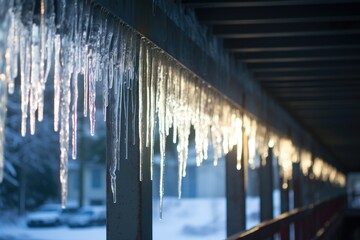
(47, 215)
(67, 213)
(88, 216)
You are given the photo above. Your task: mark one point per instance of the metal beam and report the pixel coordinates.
(286, 29)
(307, 72)
(291, 42)
(300, 47)
(300, 65)
(301, 59)
(345, 77)
(269, 85)
(333, 95)
(324, 104)
(310, 90)
(279, 14)
(288, 99)
(304, 54)
(256, 3)
(294, 33)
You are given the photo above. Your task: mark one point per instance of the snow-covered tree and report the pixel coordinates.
(31, 162)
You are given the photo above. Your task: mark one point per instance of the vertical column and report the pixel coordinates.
(266, 188)
(297, 187)
(235, 195)
(131, 216)
(284, 207)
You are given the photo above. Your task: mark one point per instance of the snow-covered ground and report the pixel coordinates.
(14, 228)
(187, 218)
(190, 218)
(201, 218)
(21, 232)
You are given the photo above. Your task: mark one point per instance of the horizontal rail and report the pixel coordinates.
(313, 221)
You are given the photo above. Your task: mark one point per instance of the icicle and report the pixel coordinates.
(153, 106)
(12, 49)
(25, 83)
(65, 98)
(148, 94)
(105, 62)
(133, 86)
(127, 121)
(76, 56)
(160, 95)
(50, 36)
(86, 84)
(252, 144)
(239, 133)
(141, 94)
(119, 106)
(92, 94)
(36, 90)
(42, 44)
(3, 108)
(75, 96)
(57, 82)
(113, 113)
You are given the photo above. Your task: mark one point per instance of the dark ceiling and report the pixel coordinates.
(306, 54)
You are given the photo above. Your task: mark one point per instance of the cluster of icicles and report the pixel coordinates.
(85, 45)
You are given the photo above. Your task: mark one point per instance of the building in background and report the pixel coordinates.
(94, 183)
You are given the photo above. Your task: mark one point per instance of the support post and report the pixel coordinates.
(235, 195)
(266, 188)
(131, 216)
(297, 197)
(297, 185)
(284, 206)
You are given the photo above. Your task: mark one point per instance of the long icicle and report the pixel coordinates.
(141, 94)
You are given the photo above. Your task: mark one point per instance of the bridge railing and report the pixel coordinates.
(316, 221)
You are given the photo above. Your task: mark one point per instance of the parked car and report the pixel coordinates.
(47, 215)
(67, 213)
(88, 216)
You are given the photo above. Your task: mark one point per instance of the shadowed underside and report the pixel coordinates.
(306, 54)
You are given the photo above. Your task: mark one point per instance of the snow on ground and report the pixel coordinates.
(189, 218)
(197, 218)
(16, 229)
(184, 219)
(52, 233)
(201, 218)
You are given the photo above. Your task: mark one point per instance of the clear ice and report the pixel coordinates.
(86, 45)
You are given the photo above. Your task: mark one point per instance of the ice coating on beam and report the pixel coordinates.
(182, 100)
